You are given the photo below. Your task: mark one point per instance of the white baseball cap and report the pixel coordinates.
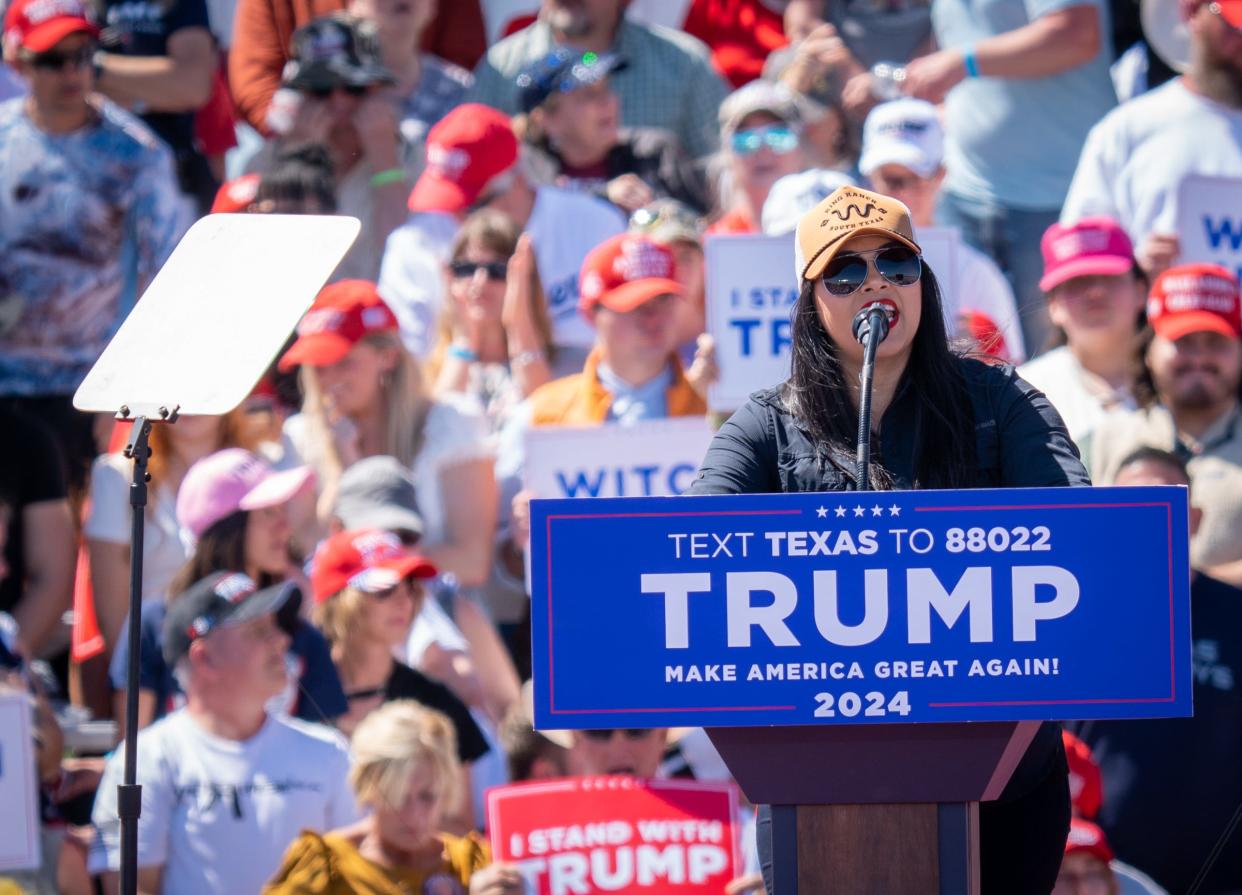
(795, 194)
(904, 132)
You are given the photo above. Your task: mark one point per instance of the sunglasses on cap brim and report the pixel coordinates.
(846, 272)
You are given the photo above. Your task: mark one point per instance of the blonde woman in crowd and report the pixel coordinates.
(367, 590)
(495, 338)
(405, 771)
(365, 396)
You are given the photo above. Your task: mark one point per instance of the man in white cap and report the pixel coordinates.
(903, 157)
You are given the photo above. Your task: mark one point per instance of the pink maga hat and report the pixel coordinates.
(230, 480)
(1090, 247)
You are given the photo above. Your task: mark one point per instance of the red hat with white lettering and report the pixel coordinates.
(369, 559)
(1195, 298)
(1085, 836)
(236, 195)
(341, 317)
(624, 272)
(39, 25)
(466, 149)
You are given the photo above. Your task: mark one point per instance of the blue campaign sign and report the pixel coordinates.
(861, 608)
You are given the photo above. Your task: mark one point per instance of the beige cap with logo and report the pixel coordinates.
(849, 211)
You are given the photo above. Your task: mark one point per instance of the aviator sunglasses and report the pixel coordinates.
(897, 264)
(779, 138)
(463, 270)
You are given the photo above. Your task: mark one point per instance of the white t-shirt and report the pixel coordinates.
(219, 814)
(982, 287)
(564, 226)
(1136, 157)
(1082, 398)
(163, 551)
(455, 432)
(411, 277)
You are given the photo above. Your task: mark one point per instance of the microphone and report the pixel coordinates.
(872, 323)
(870, 329)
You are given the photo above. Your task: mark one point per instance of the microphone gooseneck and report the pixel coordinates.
(871, 326)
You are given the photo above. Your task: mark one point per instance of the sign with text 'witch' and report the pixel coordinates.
(861, 608)
(617, 834)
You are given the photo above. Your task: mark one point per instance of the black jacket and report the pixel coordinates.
(1020, 440)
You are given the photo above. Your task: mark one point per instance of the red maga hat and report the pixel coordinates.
(342, 315)
(39, 25)
(624, 272)
(368, 559)
(466, 149)
(1195, 298)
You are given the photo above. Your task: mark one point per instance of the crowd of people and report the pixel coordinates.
(335, 625)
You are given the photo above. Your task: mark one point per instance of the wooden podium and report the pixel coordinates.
(888, 809)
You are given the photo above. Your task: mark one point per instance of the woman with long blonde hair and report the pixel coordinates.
(368, 587)
(364, 396)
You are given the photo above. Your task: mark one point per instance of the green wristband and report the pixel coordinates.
(392, 175)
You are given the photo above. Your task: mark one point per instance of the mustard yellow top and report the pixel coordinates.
(332, 865)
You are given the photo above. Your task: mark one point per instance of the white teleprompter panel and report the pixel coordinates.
(216, 313)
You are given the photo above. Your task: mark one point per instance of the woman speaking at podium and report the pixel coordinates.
(937, 420)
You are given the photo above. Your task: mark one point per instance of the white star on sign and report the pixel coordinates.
(894, 510)
(840, 512)
(821, 512)
(877, 510)
(858, 511)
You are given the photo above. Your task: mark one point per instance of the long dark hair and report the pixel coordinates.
(221, 548)
(818, 397)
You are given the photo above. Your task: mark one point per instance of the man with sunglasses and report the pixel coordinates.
(89, 211)
(574, 139)
(1136, 158)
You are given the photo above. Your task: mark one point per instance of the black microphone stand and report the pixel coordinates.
(870, 328)
(129, 793)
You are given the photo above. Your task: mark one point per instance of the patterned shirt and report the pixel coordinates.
(86, 219)
(668, 81)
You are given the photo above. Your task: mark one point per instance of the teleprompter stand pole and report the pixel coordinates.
(129, 793)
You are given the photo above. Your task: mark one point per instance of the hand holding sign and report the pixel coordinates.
(1209, 224)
